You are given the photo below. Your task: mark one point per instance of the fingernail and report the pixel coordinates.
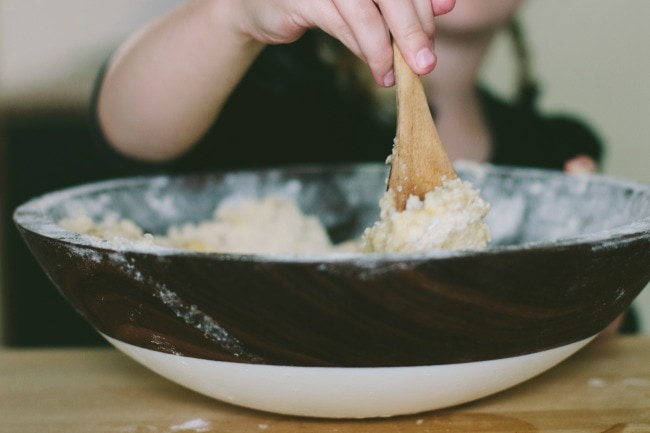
(425, 58)
(389, 78)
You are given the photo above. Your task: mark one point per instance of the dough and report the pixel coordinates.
(243, 225)
(450, 217)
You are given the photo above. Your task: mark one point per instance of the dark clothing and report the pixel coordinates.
(288, 109)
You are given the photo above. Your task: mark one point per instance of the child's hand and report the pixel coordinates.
(364, 26)
(580, 164)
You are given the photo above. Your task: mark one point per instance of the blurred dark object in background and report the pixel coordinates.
(44, 150)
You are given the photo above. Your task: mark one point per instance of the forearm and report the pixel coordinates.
(165, 86)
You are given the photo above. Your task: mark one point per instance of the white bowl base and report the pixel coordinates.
(340, 392)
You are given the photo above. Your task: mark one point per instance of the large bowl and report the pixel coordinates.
(346, 334)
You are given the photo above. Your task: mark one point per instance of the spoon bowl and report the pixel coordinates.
(419, 161)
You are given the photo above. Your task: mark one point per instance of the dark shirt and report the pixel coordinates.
(288, 109)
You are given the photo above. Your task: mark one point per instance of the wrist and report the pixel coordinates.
(234, 22)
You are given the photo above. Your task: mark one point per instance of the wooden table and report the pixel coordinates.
(605, 388)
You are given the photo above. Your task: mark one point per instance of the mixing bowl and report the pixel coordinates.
(351, 334)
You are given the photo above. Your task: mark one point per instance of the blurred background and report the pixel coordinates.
(589, 55)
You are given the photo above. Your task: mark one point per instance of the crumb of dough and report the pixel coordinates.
(450, 217)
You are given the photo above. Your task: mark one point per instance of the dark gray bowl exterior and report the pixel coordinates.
(351, 310)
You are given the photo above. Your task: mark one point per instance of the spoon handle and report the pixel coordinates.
(419, 161)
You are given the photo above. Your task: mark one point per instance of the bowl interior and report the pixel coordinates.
(527, 205)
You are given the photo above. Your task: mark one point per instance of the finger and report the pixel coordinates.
(441, 7)
(369, 30)
(425, 13)
(327, 17)
(404, 24)
(332, 22)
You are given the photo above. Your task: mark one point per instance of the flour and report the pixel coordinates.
(196, 425)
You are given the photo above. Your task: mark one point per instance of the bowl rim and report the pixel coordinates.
(31, 216)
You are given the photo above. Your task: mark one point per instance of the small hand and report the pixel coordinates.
(364, 26)
(580, 164)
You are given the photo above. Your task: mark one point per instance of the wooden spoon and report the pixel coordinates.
(419, 161)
